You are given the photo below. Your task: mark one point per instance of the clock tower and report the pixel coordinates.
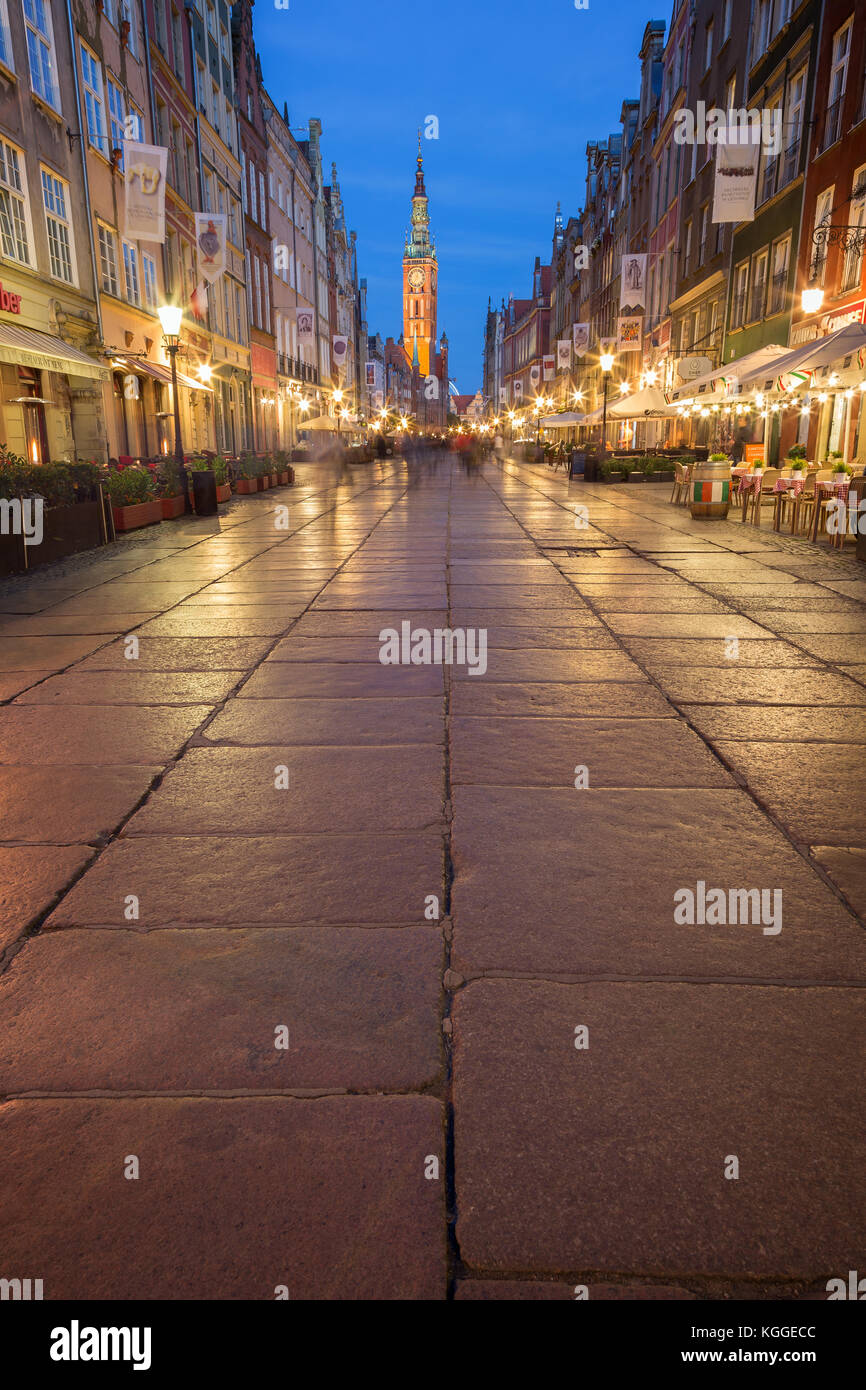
(420, 273)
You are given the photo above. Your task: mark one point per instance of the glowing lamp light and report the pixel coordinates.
(204, 372)
(624, 388)
(338, 396)
(170, 316)
(811, 300)
(606, 361)
(304, 404)
(823, 397)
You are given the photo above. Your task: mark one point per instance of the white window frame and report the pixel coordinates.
(128, 12)
(131, 276)
(94, 99)
(44, 83)
(823, 216)
(7, 57)
(14, 186)
(107, 242)
(149, 282)
(709, 36)
(112, 84)
(62, 220)
(838, 82)
(852, 262)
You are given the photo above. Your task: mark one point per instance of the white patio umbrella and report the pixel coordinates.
(712, 386)
(646, 404)
(318, 422)
(561, 422)
(845, 350)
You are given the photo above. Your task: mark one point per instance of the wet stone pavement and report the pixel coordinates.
(375, 970)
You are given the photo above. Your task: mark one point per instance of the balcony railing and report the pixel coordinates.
(759, 293)
(778, 290)
(294, 367)
(778, 172)
(738, 309)
(833, 123)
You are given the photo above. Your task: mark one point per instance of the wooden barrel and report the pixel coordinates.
(710, 489)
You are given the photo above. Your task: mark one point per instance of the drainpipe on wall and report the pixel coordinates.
(84, 179)
(152, 101)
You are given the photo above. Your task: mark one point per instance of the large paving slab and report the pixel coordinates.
(416, 719)
(234, 1198)
(297, 789)
(612, 1158)
(611, 910)
(180, 1012)
(31, 878)
(68, 805)
(105, 735)
(273, 880)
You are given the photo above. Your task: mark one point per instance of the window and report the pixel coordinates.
(708, 47)
(838, 83)
(211, 20)
(249, 284)
(738, 301)
(266, 291)
(130, 268)
(109, 9)
(13, 206)
(5, 37)
(224, 44)
(135, 121)
(726, 19)
(793, 127)
(702, 242)
(127, 13)
(177, 44)
(108, 259)
(770, 159)
(227, 307)
(823, 213)
(94, 103)
(161, 123)
(254, 211)
(148, 270)
(263, 202)
(116, 117)
(779, 283)
(55, 200)
(244, 180)
(159, 25)
(258, 286)
(731, 94)
(852, 266)
(762, 28)
(40, 51)
(759, 285)
(687, 247)
(781, 14)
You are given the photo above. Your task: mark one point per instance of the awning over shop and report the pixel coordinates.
(140, 364)
(191, 382)
(641, 405)
(713, 385)
(561, 422)
(845, 350)
(27, 347)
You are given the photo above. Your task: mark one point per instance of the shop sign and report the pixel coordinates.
(852, 313)
(9, 303)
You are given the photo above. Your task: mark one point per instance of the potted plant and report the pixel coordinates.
(247, 475)
(134, 500)
(169, 489)
(221, 473)
(286, 471)
(840, 469)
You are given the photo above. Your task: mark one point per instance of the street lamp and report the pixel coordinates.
(170, 316)
(811, 300)
(606, 364)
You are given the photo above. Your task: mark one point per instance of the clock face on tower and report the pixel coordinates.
(416, 279)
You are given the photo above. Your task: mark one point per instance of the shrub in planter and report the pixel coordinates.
(134, 500)
(247, 475)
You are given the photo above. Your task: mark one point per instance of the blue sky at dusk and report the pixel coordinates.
(519, 88)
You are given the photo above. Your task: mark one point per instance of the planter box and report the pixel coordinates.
(661, 477)
(224, 492)
(637, 477)
(264, 482)
(12, 557)
(244, 486)
(274, 479)
(613, 478)
(171, 507)
(142, 514)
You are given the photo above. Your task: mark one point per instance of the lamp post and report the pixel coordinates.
(170, 316)
(606, 364)
(338, 400)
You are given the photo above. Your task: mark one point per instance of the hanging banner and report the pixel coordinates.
(306, 332)
(628, 333)
(549, 364)
(341, 347)
(632, 285)
(144, 180)
(534, 374)
(198, 301)
(518, 390)
(563, 354)
(735, 182)
(503, 395)
(210, 242)
(580, 332)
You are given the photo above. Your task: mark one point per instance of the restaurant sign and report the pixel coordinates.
(9, 303)
(852, 313)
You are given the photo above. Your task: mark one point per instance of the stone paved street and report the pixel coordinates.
(433, 1129)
